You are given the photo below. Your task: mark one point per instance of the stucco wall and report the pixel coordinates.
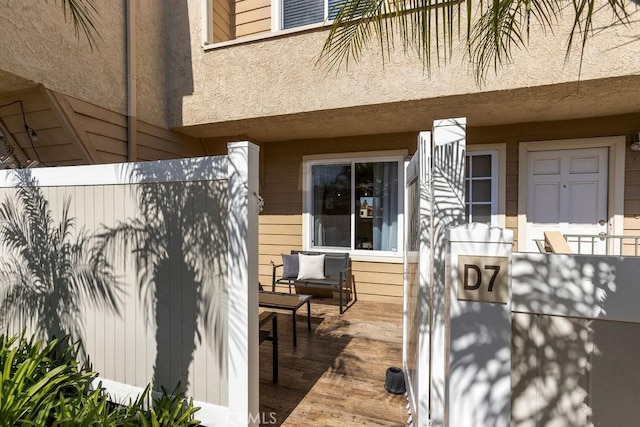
(279, 76)
(164, 54)
(38, 45)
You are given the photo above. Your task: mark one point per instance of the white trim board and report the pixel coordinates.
(615, 197)
(208, 414)
(179, 170)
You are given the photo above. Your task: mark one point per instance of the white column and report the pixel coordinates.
(242, 237)
(479, 341)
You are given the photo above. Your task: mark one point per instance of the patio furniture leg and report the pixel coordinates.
(309, 314)
(295, 335)
(275, 348)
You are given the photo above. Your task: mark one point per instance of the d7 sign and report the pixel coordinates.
(483, 278)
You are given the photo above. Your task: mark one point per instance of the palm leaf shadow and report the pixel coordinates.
(178, 244)
(47, 275)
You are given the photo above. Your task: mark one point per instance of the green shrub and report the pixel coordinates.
(44, 385)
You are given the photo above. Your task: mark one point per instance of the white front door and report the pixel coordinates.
(567, 192)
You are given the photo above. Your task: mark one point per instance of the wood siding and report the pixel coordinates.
(281, 183)
(107, 132)
(281, 220)
(252, 17)
(52, 144)
(72, 132)
(223, 20)
(631, 198)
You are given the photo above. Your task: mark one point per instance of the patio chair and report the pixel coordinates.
(555, 242)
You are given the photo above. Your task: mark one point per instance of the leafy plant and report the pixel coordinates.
(45, 385)
(34, 375)
(166, 410)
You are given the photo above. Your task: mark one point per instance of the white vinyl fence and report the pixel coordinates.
(156, 273)
(435, 201)
(575, 340)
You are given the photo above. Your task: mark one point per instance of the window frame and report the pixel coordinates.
(498, 154)
(309, 161)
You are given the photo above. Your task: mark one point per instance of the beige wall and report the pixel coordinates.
(627, 124)
(38, 46)
(279, 77)
(281, 220)
(223, 20)
(71, 132)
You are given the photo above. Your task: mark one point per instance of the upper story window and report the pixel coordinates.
(297, 13)
(355, 204)
(228, 20)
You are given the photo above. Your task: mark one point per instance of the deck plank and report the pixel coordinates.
(335, 377)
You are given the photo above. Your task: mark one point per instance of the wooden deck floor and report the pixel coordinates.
(335, 377)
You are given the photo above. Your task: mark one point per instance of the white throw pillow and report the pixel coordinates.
(311, 267)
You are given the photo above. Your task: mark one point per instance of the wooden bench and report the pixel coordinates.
(337, 271)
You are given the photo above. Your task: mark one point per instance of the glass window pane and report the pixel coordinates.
(467, 184)
(331, 205)
(481, 190)
(481, 214)
(334, 7)
(376, 196)
(481, 166)
(296, 13)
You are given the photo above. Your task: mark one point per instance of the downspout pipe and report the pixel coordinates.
(132, 101)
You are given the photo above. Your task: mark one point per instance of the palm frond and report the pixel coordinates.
(83, 15)
(494, 30)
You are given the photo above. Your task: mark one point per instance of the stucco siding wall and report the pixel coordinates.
(38, 45)
(292, 59)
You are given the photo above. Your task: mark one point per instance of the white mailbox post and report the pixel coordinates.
(479, 339)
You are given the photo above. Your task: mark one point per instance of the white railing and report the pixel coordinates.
(600, 244)
(614, 244)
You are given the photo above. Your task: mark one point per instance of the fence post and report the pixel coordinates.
(479, 356)
(242, 234)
